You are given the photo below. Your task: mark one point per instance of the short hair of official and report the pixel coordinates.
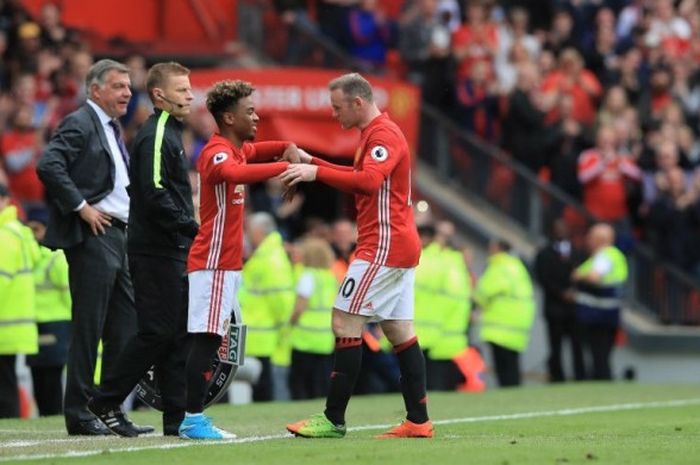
(97, 72)
(160, 72)
(224, 96)
(353, 85)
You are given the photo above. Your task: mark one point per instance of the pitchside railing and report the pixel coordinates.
(483, 171)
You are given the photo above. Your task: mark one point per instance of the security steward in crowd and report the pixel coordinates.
(600, 284)
(18, 329)
(266, 298)
(53, 317)
(442, 308)
(506, 298)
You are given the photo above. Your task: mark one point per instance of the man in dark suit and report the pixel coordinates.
(85, 171)
(554, 264)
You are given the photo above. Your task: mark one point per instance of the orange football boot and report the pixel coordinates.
(408, 429)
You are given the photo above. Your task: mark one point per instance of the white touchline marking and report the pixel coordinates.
(47, 431)
(513, 416)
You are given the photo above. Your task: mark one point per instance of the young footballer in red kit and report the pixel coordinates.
(226, 164)
(379, 281)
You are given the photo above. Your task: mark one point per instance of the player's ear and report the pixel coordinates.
(228, 118)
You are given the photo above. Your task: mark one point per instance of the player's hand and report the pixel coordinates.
(304, 156)
(291, 153)
(95, 218)
(298, 173)
(289, 193)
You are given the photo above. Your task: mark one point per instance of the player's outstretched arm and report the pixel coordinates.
(272, 151)
(321, 162)
(247, 174)
(364, 182)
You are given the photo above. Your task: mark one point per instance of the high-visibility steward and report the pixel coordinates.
(505, 295)
(599, 304)
(312, 333)
(267, 299)
(53, 301)
(428, 296)
(455, 309)
(53, 308)
(19, 253)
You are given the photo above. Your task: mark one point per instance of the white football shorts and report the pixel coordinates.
(213, 301)
(376, 291)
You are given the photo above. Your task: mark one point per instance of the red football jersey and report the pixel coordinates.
(381, 181)
(223, 171)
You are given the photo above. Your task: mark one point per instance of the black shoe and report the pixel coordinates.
(145, 429)
(88, 428)
(114, 419)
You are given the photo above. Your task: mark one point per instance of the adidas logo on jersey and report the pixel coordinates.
(368, 306)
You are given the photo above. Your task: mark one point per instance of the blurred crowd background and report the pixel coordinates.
(600, 98)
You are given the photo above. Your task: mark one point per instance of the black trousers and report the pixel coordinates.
(557, 330)
(48, 389)
(309, 375)
(103, 308)
(161, 293)
(507, 363)
(599, 342)
(262, 390)
(442, 375)
(9, 394)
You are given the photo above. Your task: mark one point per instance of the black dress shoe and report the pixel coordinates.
(113, 418)
(88, 428)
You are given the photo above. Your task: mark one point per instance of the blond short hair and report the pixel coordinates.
(353, 85)
(316, 253)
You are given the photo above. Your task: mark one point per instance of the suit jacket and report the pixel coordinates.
(553, 272)
(77, 165)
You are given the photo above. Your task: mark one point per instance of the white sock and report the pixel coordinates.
(194, 415)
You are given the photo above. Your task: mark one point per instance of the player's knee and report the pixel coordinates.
(345, 325)
(398, 332)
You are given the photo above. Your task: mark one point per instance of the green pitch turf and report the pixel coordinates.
(558, 425)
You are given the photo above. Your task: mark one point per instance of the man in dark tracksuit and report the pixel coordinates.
(161, 229)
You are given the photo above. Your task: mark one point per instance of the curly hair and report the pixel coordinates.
(224, 95)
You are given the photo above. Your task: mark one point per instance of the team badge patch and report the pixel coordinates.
(220, 157)
(379, 153)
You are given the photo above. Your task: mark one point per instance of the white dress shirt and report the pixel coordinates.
(116, 204)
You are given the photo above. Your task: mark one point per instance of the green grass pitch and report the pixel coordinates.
(559, 425)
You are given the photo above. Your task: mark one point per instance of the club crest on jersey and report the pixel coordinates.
(220, 157)
(379, 153)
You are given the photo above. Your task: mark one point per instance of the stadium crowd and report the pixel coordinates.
(603, 98)
(599, 97)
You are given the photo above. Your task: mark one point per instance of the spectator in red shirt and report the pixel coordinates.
(475, 40)
(20, 147)
(603, 173)
(573, 79)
